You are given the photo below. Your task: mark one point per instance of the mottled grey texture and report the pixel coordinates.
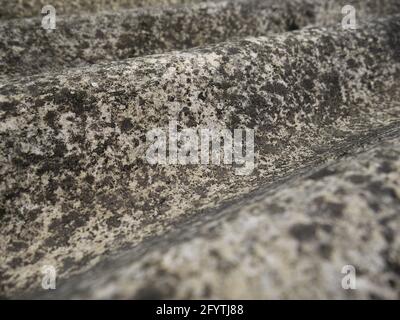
(285, 241)
(74, 169)
(32, 8)
(75, 188)
(26, 48)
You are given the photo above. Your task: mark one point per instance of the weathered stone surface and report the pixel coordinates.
(26, 48)
(285, 241)
(33, 8)
(76, 191)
